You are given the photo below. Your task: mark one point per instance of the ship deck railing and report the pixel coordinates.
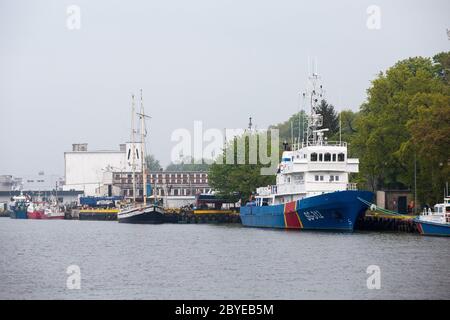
(352, 186)
(297, 146)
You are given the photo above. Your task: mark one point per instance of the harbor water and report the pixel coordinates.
(200, 261)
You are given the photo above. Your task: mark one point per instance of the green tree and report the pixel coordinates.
(188, 164)
(430, 141)
(292, 128)
(330, 117)
(442, 66)
(229, 179)
(295, 126)
(152, 163)
(387, 133)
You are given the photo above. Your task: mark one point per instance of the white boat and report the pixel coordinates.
(436, 222)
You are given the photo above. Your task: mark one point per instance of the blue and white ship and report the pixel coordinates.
(312, 188)
(436, 223)
(18, 207)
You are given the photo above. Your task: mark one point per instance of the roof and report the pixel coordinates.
(60, 192)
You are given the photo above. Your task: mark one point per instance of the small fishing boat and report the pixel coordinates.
(35, 210)
(52, 210)
(437, 222)
(18, 207)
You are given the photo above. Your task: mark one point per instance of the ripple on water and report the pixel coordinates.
(120, 261)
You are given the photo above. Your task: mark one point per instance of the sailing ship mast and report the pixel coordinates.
(133, 148)
(143, 152)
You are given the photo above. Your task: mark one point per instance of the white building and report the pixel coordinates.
(84, 170)
(41, 182)
(31, 182)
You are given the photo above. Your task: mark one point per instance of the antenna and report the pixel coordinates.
(250, 123)
(292, 136)
(315, 94)
(340, 120)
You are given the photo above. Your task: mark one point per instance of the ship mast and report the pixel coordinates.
(314, 94)
(133, 148)
(142, 116)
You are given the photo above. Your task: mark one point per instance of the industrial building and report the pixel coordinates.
(8, 183)
(85, 170)
(109, 173)
(177, 188)
(64, 197)
(40, 182)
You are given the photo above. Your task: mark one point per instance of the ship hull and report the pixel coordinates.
(330, 211)
(53, 217)
(145, 215)
(428, 228)
(98, 214)
(18, 214)
(35, 215)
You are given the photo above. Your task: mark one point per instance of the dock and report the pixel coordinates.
(209, 216)
(378, 221)
(371, 221)
(182, 216)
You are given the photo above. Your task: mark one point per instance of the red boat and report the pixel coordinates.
(53, 212)
(35, 210)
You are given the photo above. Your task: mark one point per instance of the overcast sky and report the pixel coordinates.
(215, 61)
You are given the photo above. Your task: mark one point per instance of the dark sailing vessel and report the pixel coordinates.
(151, 214)
(141, 213)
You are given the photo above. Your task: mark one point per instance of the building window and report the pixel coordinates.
(327, 157)
(341, 157)
(320, 157)
(316, 178)
(331, 178)
(321, 178)
(334, 156)
(336, 178)
(313, 156)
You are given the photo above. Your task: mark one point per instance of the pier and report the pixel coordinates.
(209, 216)
(376, 221)
(182, 216)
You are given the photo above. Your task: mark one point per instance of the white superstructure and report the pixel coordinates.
(314, 166)
(440, 214)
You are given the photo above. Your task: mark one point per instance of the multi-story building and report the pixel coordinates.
(176, 189)
(109, 173)
(6, 183)
(32, 182)
(164, 183)
(41, 182)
